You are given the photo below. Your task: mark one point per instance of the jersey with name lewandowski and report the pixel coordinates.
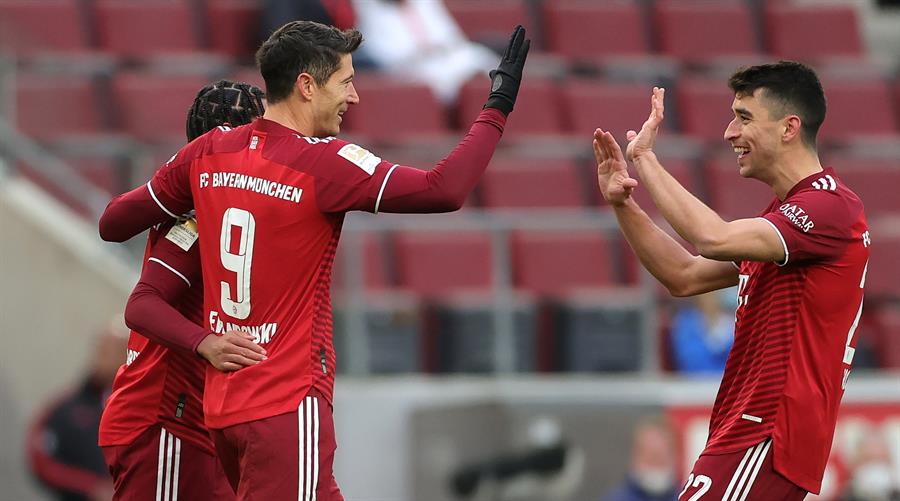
(794, 333)
(270, 204)
(158, 384)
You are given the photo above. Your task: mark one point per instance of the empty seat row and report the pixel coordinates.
(130, 28)
(602, 333)
(153, 105)
(435, 263)
(690, 30)
(683, 29)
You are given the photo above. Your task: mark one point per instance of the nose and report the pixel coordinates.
(352, 96)
(732, 131)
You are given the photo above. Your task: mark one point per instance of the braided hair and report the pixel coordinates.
(224, 103)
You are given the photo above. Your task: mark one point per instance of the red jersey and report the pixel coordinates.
(270, 204)
(794, 334)
(157, 384)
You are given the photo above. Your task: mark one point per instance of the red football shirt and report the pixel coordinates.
(270, 204)
(794, 337)
(160, 385)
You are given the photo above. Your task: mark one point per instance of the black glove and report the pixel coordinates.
(505, 79)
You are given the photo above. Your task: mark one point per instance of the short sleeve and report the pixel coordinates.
(178, 250)
(813, 225)
(349, 177)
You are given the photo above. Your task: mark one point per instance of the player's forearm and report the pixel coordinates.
(446, 187)
(691, 218)
(659, 253)
(129, 214)
(149, 313)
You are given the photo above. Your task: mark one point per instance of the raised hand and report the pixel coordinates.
(642, 142)
(612, 172)
(231, 351)
(505, 79)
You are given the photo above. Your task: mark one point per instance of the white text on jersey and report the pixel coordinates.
(251, 183)
(797, 216)
(261, 333)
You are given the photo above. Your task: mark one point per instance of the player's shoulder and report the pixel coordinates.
(823, 196)
(826, 188)
(337, 155)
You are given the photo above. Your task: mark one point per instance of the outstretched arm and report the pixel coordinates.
(682, 273)
(445, 188)
(742, 239)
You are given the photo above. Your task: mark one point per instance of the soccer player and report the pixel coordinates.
(152, 432)
(800, 270)
(270, 200)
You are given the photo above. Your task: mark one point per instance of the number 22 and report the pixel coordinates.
(697, 481)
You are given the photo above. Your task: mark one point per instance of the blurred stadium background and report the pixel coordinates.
(521, 322)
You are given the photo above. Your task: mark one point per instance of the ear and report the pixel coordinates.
(791, 126)
(305, 85)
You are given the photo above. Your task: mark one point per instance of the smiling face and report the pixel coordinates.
(755, 134)
(333, 98)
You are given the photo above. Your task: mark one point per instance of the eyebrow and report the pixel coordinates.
(348, 78)
(743, 111)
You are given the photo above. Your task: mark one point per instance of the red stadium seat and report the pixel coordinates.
(154, 107)
(433, 263)
(587, 28)
(698, 30)
(55, 25)
(556, 262)
(731, 195)
(138, 29)
(616, 107)
(489, 21)
(896, 96)
(531, 183)
(234, 26)
(537, 107)
(391, 108)
(804, 32)
(374, 263)
(875, 181)
(49, 106)
(857, 107)
(704, 108)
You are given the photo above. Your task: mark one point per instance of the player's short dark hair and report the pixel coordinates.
(793, 87)
(224, 103)
(302, 47)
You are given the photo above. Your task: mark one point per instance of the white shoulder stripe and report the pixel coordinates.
(383, 185)
(787, 254)
(173, 270)
(161, 206)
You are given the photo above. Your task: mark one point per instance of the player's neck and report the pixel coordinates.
(792, 167)
(289, 115)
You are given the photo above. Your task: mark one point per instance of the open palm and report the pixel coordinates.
(642, 142)
(612, 172)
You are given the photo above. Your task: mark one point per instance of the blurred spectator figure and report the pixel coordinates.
(276, 13)
(420, 41)
(651, 476)
(62, 443)
(702, 333)
(873, 477)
